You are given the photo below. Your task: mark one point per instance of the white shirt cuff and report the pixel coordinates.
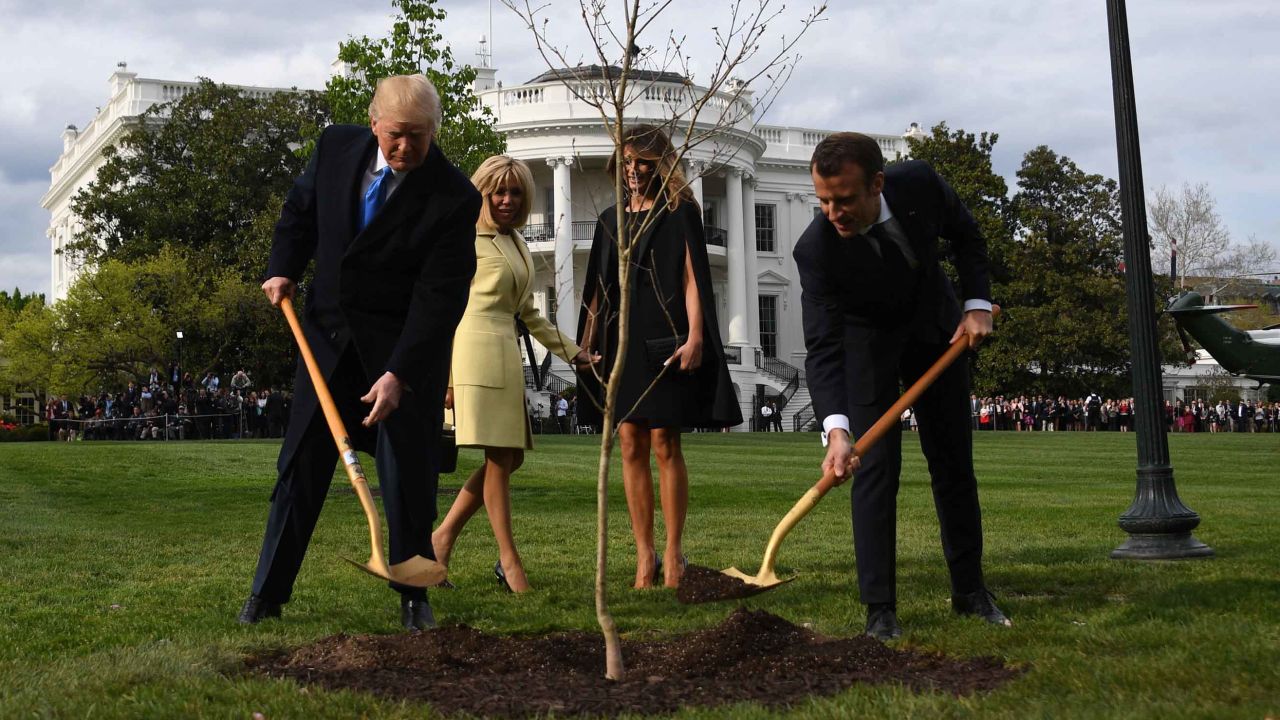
(977, 304)
(831, 422)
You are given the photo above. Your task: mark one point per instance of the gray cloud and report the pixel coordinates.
(1036, 73)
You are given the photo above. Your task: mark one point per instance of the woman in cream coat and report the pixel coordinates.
(486, 387)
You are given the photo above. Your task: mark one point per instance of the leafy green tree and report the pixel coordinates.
(202, 175)
(120, 320)
(26, 347)
(415, 45)
(1065, 327)
(17, 300)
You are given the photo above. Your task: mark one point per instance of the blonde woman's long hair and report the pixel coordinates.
(651, 143)
(502, 171)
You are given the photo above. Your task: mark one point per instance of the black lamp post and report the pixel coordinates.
(1159, 525)
(179, 384)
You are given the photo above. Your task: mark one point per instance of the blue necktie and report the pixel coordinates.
(375, 196)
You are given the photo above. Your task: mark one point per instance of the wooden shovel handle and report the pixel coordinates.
(331, 414)
(909, 398)
(355, 473)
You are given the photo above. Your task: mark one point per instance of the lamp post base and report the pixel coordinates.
(1161, 546)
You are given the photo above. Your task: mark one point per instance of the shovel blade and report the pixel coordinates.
(765, 580)
(417, 571)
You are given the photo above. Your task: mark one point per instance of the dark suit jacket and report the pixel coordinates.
(396, 290)
(856, 317)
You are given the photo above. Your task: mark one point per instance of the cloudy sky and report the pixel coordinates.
(1034, 72)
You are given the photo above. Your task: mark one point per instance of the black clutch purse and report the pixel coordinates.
(659, 350)
(448, 449)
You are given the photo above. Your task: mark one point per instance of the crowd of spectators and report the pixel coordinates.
(1093, 413)
(172, 405)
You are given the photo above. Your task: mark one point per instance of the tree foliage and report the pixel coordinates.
(1066, 330)
(121, 319)
(1056, 254)
(26, 347)
(17, 301)
(415, 45)
(197, 175)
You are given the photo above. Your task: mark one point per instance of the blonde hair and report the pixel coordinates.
(651, 143)
(410, 97)
(503, 171)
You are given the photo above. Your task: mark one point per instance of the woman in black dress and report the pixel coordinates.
(674, 375)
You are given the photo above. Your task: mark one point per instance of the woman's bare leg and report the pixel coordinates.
(499, 464)
(470, 499)
(637, 481)
(673, 481)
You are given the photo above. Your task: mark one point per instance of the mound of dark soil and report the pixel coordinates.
(751, 656)
(701, 584)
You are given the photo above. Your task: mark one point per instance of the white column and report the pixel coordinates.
(736, 251)
(696, 169)
(566, 297)
(752, 275)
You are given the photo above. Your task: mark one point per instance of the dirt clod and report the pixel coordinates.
(701, 584)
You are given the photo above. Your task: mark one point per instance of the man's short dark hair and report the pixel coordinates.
(838, 149)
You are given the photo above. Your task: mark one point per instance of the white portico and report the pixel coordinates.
(752, 182)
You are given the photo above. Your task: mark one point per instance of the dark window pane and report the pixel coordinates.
(765, 227)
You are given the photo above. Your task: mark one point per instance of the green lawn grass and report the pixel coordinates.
(124, 564)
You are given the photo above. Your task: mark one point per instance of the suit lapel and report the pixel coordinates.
(405, 202)
(355, 161)
(525, 266)
(512, 250)
(905, 214)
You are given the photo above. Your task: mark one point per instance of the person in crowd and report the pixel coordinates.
(486, 388)
(562, 414)
(776, 416)
(877, 309)
(240, 382)
(675, 374)
(765, 421)
(390, 223)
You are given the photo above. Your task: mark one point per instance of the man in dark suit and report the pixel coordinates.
(878, 309)
(390, 223)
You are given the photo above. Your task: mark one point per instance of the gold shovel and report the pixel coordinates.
(767, 578)
(417, 571)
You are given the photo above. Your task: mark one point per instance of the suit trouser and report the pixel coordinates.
(406, 477)
(942, 414)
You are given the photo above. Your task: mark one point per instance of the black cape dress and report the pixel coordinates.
(704, 399)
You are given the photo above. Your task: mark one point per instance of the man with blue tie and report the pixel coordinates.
(390, 224)
(878, 310)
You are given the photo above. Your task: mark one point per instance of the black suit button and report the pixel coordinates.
(333, 335)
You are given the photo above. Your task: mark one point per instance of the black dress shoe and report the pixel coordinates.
(256, 609)
(882, 622)
(416, 614)
(981, 603)
(501, 576)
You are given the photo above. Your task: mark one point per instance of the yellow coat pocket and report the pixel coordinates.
(480, 358)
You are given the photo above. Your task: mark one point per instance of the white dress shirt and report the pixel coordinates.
(372, 171)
